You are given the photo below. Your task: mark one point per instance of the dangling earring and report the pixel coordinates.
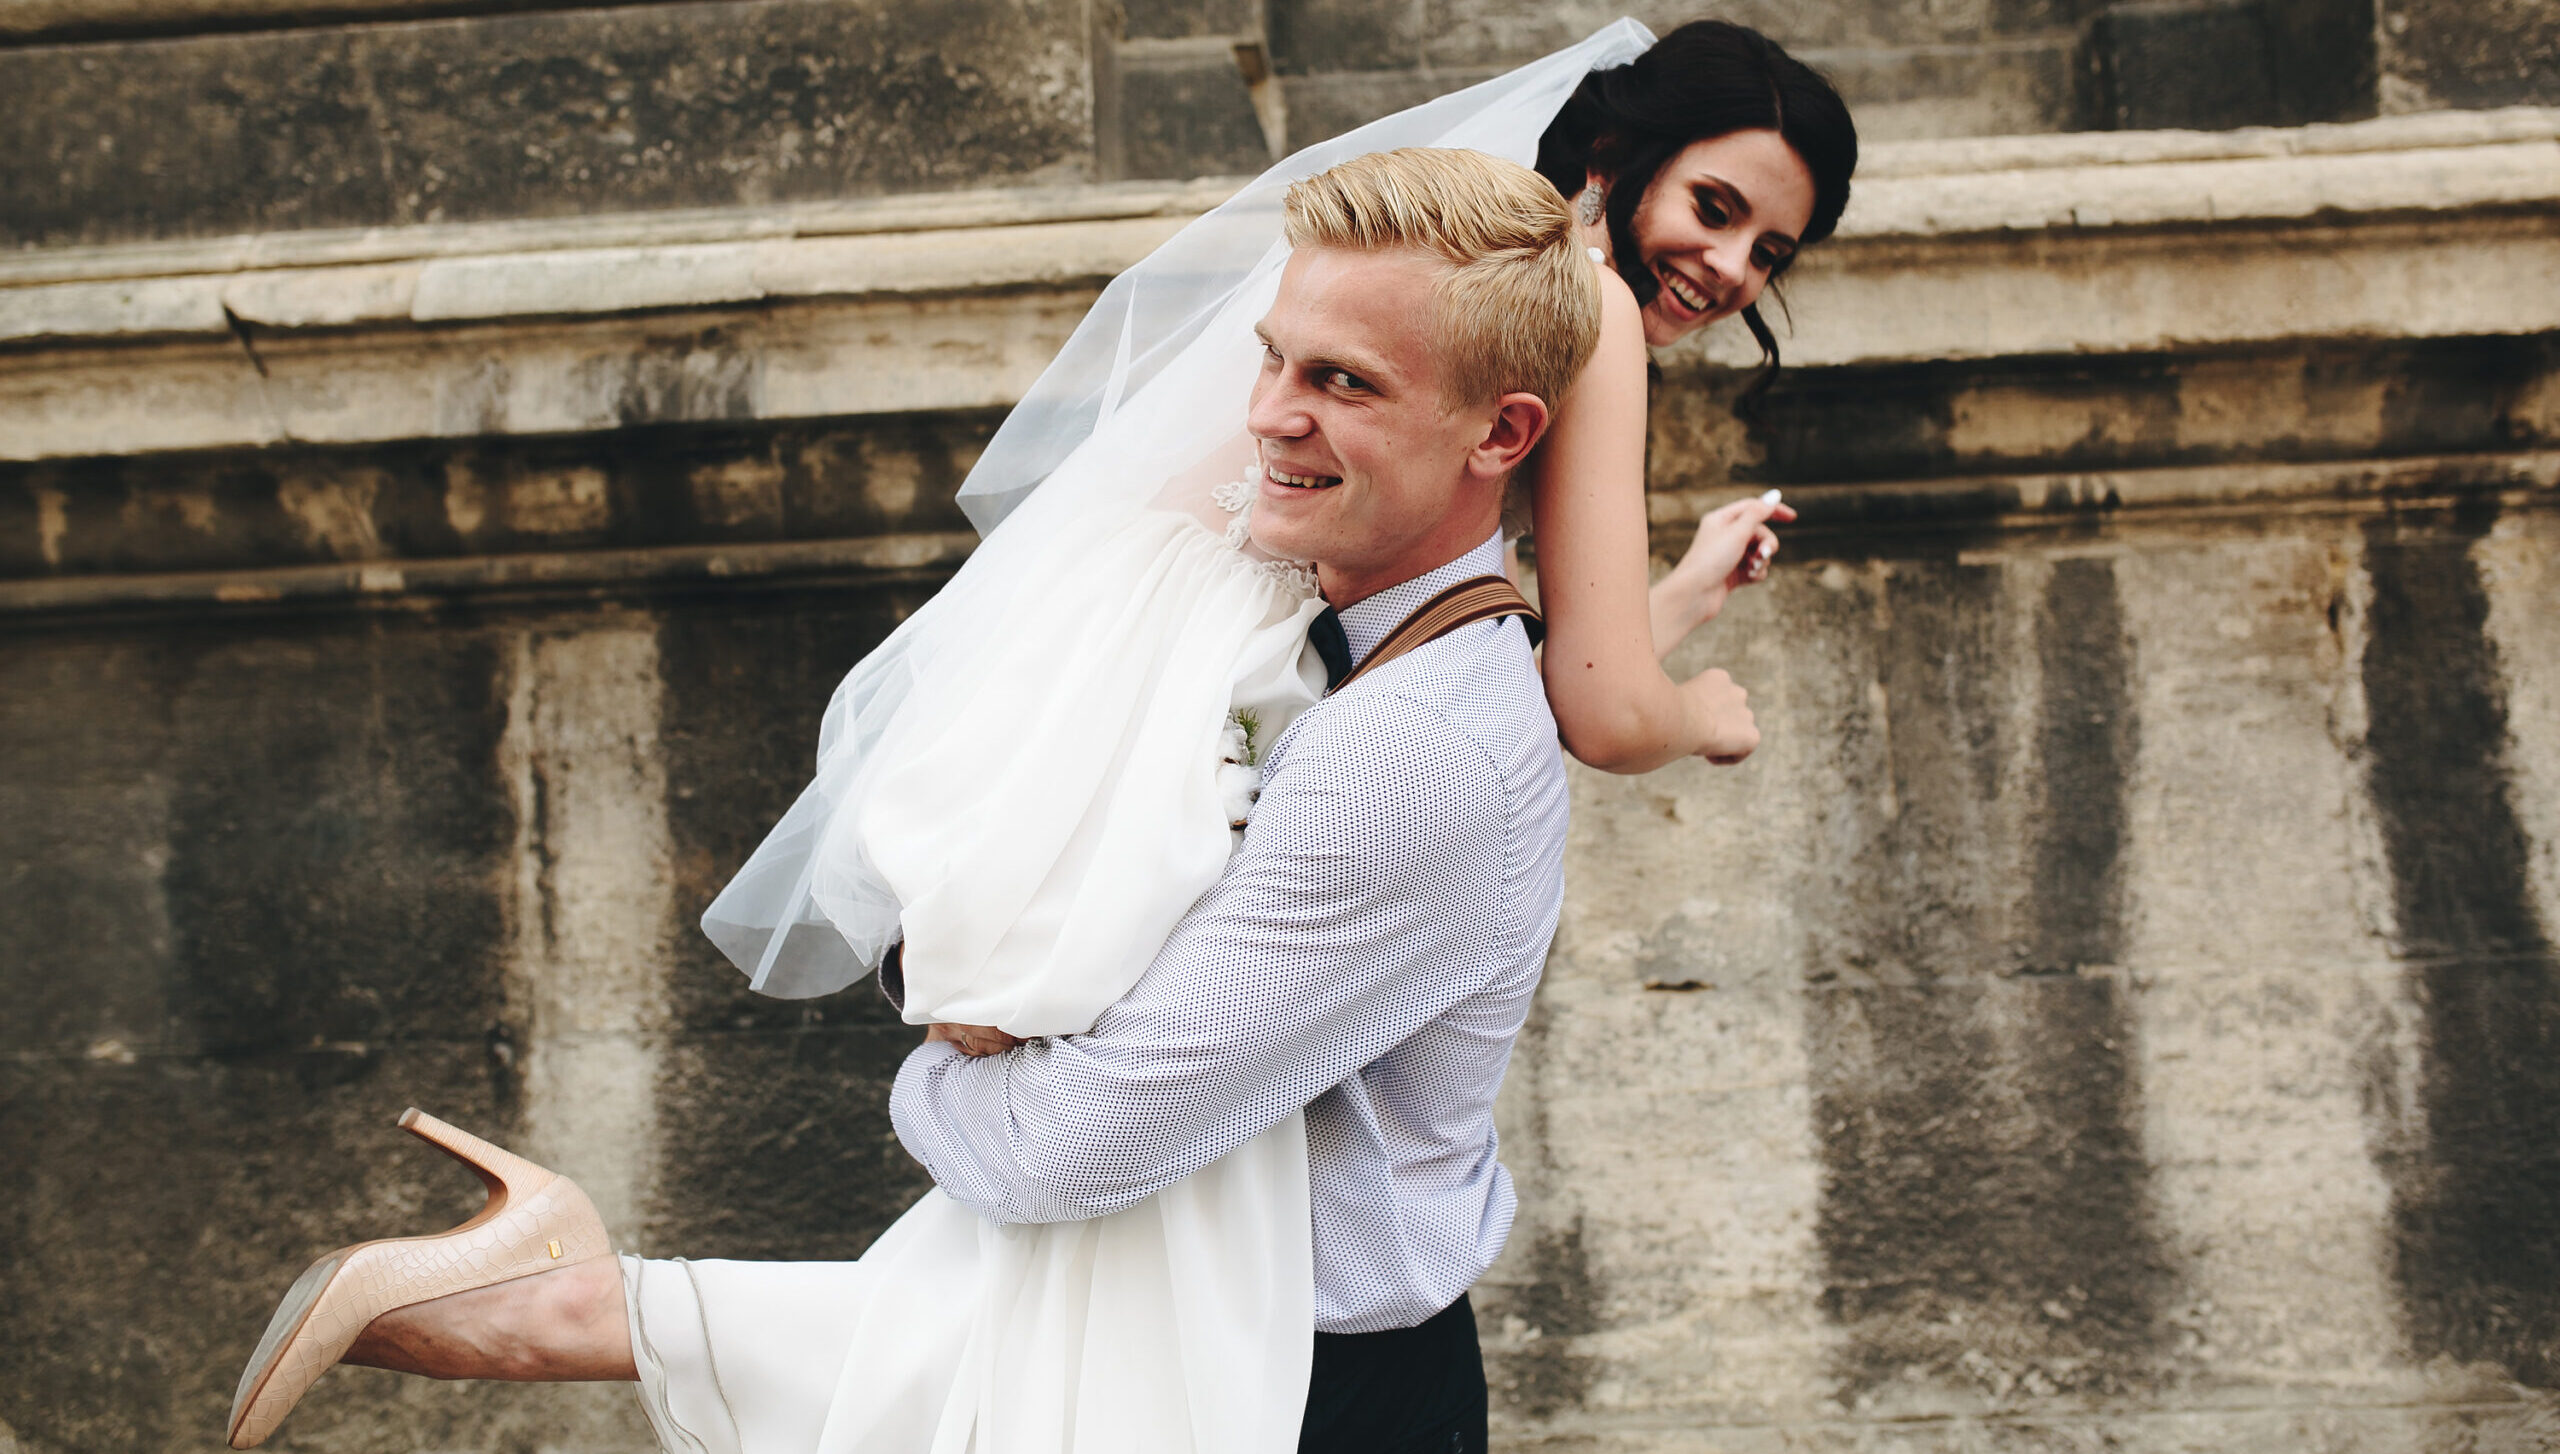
(1593, 199)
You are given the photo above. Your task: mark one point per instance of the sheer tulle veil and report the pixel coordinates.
(1151, 384)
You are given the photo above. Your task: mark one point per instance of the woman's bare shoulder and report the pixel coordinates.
(1618, 305)
(1620, 355)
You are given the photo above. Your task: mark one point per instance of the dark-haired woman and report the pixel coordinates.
(1702, 170)
(1180, 1323)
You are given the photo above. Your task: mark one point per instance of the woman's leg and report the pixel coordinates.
(567, 1325)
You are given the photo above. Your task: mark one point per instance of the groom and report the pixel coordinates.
(1372, 949)
(1368, 956)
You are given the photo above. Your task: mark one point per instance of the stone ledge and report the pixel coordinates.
(2323, 1421)
(2086, 293)
(2010, 502)
(2032, 500)
(503, 286)
(2420, 131)
(332, 247)
(2450, 161)
(2407, 228)
(867, 561)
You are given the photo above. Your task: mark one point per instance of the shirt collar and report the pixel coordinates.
(1367, 622)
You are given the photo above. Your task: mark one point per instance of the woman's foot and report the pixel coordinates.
(535, 1221)
(568, 1325)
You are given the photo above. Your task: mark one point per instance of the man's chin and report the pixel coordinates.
(1280, 546)
(1283, 539)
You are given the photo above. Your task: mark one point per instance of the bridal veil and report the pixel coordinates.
(1150, 385)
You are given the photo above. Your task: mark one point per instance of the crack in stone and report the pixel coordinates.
(249, 345)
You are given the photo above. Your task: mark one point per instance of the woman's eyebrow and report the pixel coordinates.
(1733, 194)
(1742, 206)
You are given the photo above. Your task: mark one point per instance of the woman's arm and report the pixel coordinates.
(1616, 708)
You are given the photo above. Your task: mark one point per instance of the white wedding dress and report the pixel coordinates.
(1024, 783)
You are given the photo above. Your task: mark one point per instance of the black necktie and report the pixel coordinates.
(1325, 634)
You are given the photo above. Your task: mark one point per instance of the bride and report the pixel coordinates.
(1030, 782)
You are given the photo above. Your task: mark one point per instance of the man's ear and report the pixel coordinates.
(1518, 422)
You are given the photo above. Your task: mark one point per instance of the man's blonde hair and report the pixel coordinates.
(1519, 308)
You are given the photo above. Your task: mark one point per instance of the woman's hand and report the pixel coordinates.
(1732, 549)
(1721, 710)
(971, 1039)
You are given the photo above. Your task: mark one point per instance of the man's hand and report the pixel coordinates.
(971, 1039)
(1723, 709)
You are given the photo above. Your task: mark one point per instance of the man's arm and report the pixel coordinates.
(1359, 909)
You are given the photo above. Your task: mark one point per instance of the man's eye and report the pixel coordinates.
(1270, 356)
(1343, 379)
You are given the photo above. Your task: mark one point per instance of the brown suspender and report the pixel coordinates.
(1478, 598)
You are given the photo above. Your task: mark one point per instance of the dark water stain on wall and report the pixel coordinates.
(1536, 1374)
(1560, 1302)
(338, 836)
(2087, 738)
(292, 841)
(781, 1105)
(1984, 1218)
(2476, 1200)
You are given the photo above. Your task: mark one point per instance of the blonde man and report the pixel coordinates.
(1370, 953)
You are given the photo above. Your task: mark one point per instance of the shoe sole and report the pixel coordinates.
(291, 1314)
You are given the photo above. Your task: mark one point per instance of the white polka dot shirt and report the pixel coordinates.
(1370, 955)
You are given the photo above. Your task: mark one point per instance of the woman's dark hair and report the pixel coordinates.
(1706, 79)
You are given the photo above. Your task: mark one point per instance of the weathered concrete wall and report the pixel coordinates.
(2113, 1011)
(2112, 1005)
(539, 115)
(2121, 982)
(266, 876)
(2469, 53)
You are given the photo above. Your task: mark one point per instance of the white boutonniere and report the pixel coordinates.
(1239, 766)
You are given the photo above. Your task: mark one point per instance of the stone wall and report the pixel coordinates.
(448, 452)
(142, 119)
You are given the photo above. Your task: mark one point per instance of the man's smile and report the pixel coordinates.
(1279, 476)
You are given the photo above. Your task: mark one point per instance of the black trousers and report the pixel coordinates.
(1405, 1391)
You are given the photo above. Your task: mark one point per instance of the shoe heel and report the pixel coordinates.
(509, 1177)
(549, 1221)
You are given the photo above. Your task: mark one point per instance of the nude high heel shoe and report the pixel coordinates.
(535, 1220)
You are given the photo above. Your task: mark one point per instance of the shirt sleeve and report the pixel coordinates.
(1351, 916)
